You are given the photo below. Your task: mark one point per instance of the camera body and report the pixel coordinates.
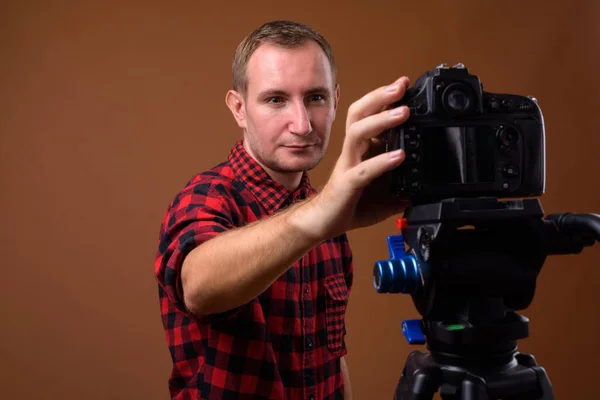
(461, 141)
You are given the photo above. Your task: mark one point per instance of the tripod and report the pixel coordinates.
(469, 265)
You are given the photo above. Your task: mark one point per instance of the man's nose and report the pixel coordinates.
(300, 124)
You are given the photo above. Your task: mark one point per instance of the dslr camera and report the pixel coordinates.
(461, 141)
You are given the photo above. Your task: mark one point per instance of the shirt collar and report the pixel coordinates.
(270, 193)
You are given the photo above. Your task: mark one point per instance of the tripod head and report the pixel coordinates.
(469, 265)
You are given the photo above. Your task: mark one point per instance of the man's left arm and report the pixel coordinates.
(347, 386)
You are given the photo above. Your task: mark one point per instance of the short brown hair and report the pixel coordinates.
(287, 34)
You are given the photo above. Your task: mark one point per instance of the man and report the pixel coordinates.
(254, 266)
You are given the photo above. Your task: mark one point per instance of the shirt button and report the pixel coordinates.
(306, 289)
(311, 397)
(309, 342)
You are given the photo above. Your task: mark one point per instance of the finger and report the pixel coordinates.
(375, 101)
(365, 172)
(360, 135)
(379, 140)
(372, 126)
(376, 141)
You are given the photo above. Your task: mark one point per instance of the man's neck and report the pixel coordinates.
(291, 180)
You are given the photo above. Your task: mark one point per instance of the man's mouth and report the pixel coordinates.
(299, 146)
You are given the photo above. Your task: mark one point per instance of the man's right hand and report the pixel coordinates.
(337, 208)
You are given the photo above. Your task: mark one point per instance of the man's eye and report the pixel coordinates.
(274, 100)
(317, 97)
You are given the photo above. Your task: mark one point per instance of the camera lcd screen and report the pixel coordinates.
(459, 154)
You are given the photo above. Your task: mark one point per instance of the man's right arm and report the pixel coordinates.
(236, 266)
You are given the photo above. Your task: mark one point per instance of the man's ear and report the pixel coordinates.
(235, 102)
(336, 97)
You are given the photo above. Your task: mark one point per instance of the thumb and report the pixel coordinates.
(365, 172)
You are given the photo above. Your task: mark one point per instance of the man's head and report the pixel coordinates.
(284, 96)
(285, 34)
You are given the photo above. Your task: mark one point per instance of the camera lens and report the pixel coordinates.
(458, 98)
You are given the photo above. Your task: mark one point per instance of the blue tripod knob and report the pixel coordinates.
(399, 274)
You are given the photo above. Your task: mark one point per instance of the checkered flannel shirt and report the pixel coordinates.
(284, 344)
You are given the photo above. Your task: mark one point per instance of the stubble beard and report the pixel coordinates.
(279, 165)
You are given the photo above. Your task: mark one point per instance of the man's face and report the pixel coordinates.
(290, 105)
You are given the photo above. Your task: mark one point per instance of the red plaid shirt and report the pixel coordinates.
(284, 344)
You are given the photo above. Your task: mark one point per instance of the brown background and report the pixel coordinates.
(106, 110)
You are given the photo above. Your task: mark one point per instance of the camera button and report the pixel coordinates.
(510, 172)
(508, 137)
(525, 107)
(506, 103)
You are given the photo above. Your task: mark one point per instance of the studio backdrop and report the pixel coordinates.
(108, 108)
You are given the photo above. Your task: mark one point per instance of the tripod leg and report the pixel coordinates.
(528, 360)
(473, 390)
(402, 387)
(425, 385)
(544, 382)
(421, 386)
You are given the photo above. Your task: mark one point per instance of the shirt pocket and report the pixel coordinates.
(335, 311)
